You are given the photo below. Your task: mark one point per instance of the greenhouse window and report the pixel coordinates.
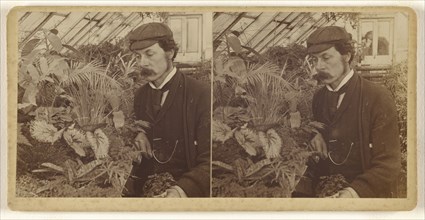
(187, 32)
(376, 38)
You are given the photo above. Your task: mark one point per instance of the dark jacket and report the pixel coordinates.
(196, 128)
(378, 137)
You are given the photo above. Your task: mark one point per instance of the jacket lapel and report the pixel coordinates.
(148, 109)
(143, 102)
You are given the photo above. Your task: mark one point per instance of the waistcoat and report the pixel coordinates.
(166, 133)
(341, 134)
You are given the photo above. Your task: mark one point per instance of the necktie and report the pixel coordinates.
(333, 98)
(156, 96)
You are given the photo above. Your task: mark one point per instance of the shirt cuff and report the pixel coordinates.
(180, 191)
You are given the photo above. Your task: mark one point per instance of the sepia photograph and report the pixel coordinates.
(155, 109)
(113, 104)
(310, 104)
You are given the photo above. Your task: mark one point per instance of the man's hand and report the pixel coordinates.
(346, 193)
(142, 144)
(318, 143)
(173, 192)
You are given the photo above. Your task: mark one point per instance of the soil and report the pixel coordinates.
(30, 185)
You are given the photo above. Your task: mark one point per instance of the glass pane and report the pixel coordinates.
(252, 14)
(222, 22)
(84, 31)
(256, 28)
(192, 34)
(176, 27)
(30, 23)
(297, 20)
(242, 24)
(383, 37)
(108, 25)
(367, 38)
(107, 18)
(72, 19)
(53, 22)
(291, 17)
(90, 38)
(74, 31)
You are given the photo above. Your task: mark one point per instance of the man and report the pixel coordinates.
(367, 42)
(178, 111)
(361, 138)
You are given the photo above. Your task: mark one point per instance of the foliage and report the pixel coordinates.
(21, 139)
(99, 143)
(249, 140)
(78, 104)
(397, 84)
(351, 17)
(202, 72)
(256, 103)
(289, 59)
(44, 132)
(271, 143)
(76, 140)
(296, 69)
(257, 86)
(283, 172)
(221, 131)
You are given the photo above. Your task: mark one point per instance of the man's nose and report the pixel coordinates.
(143, 61)
(319, 64)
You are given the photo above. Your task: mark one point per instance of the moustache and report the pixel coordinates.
(322, 76)
(146, 72)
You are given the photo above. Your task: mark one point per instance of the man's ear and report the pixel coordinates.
(347, 57)
(170, 54)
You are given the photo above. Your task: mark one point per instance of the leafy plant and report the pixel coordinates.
(45, 132)
(76, 140)
(21, 139)
(396, 82)
(257, 105)
(76, 100)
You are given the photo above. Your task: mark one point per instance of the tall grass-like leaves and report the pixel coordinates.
(266, 91)
(92, 73)
(89, 86)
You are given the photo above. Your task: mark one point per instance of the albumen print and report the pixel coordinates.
(113, 104)
(211, 108)
(310, 104)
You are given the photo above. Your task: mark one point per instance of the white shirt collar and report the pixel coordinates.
(167, 79)
(343, 82)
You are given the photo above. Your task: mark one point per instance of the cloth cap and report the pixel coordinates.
(326, 37)
(149, 34)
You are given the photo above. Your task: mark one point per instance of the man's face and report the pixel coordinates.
(155, 62)
(331, 66)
